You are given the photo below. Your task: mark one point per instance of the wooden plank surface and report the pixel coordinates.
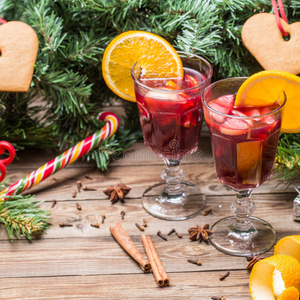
(83, 262)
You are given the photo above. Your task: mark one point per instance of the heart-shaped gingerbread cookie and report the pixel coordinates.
(18, 52)
(264, 40)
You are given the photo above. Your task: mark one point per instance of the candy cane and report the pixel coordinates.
(66, 158)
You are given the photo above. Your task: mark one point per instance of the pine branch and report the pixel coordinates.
(288, 156)
(22, 217)
(113, 148)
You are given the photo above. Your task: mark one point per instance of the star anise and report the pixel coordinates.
(117, 192)
(200, 233)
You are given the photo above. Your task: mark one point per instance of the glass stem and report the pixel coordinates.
(243, 207)
(173, 174)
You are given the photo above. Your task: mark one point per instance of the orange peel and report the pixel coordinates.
(275, 278)
(289, 245)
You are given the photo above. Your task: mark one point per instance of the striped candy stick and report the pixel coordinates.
(66, 158)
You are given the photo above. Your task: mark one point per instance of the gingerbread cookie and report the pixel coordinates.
(264, 40)
(18, 52)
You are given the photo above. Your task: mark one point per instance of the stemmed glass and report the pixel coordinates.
(244, 143)
(171, 113)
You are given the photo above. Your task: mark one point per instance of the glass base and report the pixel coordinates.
(259, 238)
(181, 206)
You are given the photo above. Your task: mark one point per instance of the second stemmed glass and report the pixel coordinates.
(244, 143)
(171, 116)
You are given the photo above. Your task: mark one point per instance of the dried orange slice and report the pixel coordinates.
(158, 59)
(266, 87)
(275, 277)
(289, 245)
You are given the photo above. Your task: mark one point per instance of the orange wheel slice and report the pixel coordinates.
(158, 59)
(266, 87)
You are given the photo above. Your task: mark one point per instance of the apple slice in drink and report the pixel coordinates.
(226, 101)
(234, 127)
(240, 114)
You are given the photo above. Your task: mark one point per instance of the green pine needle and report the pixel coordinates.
(288, 157)
(22, 216)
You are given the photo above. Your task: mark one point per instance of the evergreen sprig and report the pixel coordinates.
(22, 216)
(113, 148)
(288, 156)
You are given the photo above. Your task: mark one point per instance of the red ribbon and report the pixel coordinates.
(4, 162)
(277, 17)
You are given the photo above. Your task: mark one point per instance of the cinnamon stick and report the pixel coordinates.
(158, 269)
(127, 244)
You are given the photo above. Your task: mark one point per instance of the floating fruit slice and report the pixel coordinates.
(220, 108)
(249, 161)
(227, 101)
(266, 87)
(275, 277)
(157, 58)
(234, 127)
(289, 245)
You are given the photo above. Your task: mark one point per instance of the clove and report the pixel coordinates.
(103, 217)
(145, 224)
(178, 234)
(218, 298)
(252, 261)
(140, 227)
(95, 225)
(207, 212)
(65, 225)
(74, 194)
(78, 206)
(222, 277)
(85, 188)
(79, 185)
(88, 177)
(195, 262)
(161, 235)
(53, 203)
(122, 213)
(171, 231)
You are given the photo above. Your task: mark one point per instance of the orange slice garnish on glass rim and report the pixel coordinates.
(157, 58)
(266, 87)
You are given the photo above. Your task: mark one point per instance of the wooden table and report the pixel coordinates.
(83, 262)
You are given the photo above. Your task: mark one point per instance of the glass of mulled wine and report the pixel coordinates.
(171, 114)
(244, 144)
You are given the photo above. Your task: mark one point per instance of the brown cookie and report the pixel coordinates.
(264, 40)
(18, 52)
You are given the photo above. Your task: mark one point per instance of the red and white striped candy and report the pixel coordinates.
(66, 158)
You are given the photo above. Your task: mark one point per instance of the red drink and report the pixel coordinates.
(244, 148)
(171, 114)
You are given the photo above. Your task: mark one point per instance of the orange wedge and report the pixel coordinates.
(275, 277)
(157, 58)
(266, 87)
(289, 245)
